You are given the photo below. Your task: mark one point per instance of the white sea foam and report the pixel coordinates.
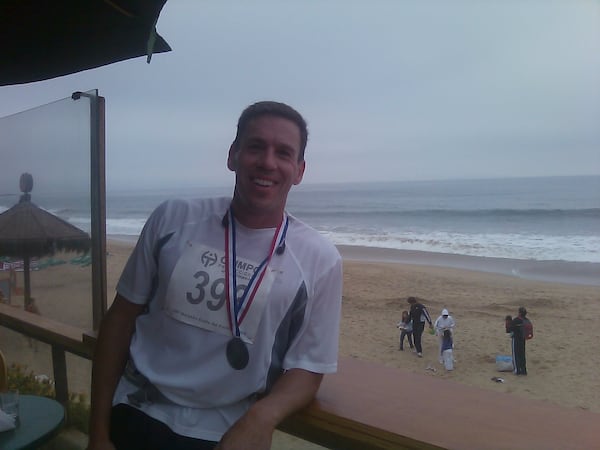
(124, 226)
(514, 246)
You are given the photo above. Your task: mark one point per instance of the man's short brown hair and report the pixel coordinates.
(277, 109)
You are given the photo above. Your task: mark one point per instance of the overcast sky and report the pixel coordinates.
(391, 90)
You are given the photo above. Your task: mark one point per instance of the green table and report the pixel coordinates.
(40, 419)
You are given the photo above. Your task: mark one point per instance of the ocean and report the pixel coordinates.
(528, 218)
(540, 219)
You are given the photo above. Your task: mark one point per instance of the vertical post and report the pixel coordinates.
(26, 281)
(98, 203)
(59, 364)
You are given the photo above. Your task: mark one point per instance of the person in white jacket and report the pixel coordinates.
(444, 322)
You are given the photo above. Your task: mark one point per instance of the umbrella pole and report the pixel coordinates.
(26, 282)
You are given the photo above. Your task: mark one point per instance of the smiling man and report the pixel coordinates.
(267, 157)
(227, 313)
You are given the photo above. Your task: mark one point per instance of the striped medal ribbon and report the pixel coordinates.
(237, 308)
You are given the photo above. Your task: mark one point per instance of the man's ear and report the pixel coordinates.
(300, 172)
(232, 158)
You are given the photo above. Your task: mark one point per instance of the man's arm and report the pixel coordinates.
(427, 316)
(508, 323)
(110, 356)
(291, 392)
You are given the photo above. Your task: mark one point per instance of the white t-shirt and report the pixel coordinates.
(177, 270)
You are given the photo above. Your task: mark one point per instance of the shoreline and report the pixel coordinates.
(564, 272)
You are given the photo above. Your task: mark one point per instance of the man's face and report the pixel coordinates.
(265, 161)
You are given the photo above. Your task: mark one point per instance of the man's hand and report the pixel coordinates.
(254, 430)
(101, 446)
(250, 432)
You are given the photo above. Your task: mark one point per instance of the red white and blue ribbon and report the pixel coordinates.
(238, 307)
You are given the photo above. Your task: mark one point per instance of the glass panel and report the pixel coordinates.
(52, 143)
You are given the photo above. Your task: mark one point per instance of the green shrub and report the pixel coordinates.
(78, 413)
(26, 383)
(78, 408)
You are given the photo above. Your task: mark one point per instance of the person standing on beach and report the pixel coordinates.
(405, 326)
(444, 322)
(517, 333)
(447, 347)
(418, 315)
(227, 312)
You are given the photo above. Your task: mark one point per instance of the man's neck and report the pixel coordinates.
(251, 219)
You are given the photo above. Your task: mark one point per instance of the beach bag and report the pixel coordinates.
(527, 329)
(448, 359)
(504, 363)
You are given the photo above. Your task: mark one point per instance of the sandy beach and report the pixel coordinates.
(562, 358)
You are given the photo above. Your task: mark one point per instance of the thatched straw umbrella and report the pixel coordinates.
(28, 231)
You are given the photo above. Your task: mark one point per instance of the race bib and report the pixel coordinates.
(196, 291)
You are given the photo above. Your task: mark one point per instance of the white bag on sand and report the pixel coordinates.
(504, 363)
(448, 359)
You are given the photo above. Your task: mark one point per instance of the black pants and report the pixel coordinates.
(418, 328)
(131, 429)
(407, 334)
(518, 348)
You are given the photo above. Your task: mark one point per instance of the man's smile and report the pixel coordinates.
(263, 182)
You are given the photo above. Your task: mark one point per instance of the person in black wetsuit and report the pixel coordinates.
(515, 327)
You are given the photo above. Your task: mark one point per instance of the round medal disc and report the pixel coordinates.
(237, 353)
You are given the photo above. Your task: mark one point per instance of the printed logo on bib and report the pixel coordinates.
(196, 291)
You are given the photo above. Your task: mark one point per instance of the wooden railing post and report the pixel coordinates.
(61, 386)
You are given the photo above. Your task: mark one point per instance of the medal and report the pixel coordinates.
(237, 352)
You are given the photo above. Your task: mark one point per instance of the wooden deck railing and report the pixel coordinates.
(61, 337)
(367, 406)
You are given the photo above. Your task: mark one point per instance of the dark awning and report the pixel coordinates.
(43, 39)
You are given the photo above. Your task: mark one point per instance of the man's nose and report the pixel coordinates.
(268, 159)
